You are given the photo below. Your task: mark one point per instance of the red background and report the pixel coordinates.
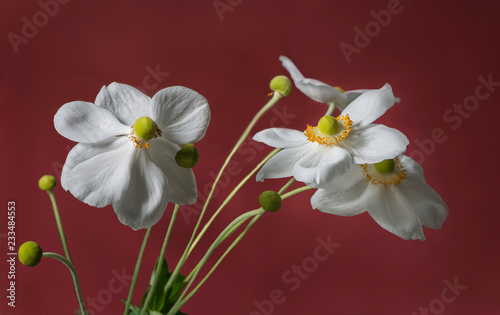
(432, 53)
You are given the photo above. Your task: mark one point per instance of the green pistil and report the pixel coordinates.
(384, 167)
(145, 128)
(328, 125)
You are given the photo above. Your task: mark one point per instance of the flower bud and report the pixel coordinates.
(281, 84)
(47, 182)
(188, 156)
(30, 254)
(270, 201)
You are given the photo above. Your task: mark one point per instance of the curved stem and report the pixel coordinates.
(227, 231)
(287, 185)
(136, 272)
(62, 236)
(231, 195)
(296, 191)
(235, 242)
(223, 235)
(74, 275)
(331, 108)
(271, 103)
(156, 277)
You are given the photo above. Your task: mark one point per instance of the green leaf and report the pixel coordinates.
(132, 306)
(161, 301)
(138, 311)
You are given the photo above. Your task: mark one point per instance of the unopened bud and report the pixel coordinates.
(188, 156)
(281, 84)
(270, 201)
(30, 254)
(47, 182)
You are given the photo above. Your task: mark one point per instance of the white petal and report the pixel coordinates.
(125, 102)
(319, 91)
(314, 89)
(390, 209)
(182, 183)
(181, 113)
(351, 96)
(354, 94)
(282, 163)
(425, 202)
(291, 68)
(145, 200)
(345, 196)
(374, 143)
(85, 151)
(321, 165)
(84, 122)
(369, 106)
(281, 137)
(414, 170)
(100, 176)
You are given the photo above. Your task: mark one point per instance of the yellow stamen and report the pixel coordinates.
(138, 142)
(344, 127)
(395, 177)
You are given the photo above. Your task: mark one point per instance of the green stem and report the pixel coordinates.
(235, 242)
(296, 191)
(331, 108)
(223, 235)
(228, 231)
(62, 236)
(287, 185)
(271, 103)
(136, 272)
(226, 201)
(74, 275)
(156, 277)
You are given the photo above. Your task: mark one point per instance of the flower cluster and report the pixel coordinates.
(136, 153)
(356, 165)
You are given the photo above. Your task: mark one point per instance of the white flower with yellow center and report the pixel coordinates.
(393, 192)
(126, 151)
(326, 151)
(319, 91)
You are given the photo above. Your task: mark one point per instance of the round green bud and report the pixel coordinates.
(384, 167)
(30, 254)
(47, 182)
(328, 125)
(145, 128)
(281, 84)
(270, 201)
(188, 156)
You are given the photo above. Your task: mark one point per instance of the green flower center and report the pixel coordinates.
(145, 128)
(385, 167)
(328, 125)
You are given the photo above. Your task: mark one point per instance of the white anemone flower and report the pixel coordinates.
(393, 192)
(126, 151)
(321, 153)
(319, 91)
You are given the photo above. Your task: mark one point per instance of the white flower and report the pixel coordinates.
(126, 151)
(320, 154)
(393, 192)
(319, 91)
